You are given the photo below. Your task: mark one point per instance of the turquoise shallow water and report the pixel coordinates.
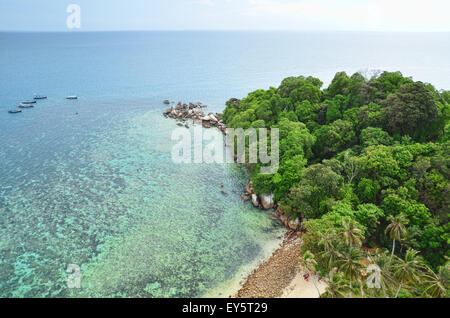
(99, 189)
(115, 204)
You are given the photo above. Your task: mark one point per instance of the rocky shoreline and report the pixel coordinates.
(272, 277)
(266, 202)
(183, 112)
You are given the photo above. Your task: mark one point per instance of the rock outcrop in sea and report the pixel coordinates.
(194, 111)
(266, 202)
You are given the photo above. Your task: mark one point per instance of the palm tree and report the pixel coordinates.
(337, 285)
(437, 284)
(309, 264)
(351, 233)
(408, 270)
(396, 229)
(325, 240)
(331, 251)
(386, 280)
(350, 264)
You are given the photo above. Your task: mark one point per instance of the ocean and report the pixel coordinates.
(91, 182)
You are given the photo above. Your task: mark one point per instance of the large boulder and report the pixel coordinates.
(255, 200)
(294, 225)
(213, 118)
(267, 201)
(249, 188)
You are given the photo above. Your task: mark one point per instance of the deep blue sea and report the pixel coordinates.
(91, 182)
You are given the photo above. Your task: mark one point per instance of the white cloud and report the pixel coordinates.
(398, 15)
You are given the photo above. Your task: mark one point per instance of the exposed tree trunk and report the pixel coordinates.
(314, 282)
(399, 288)
(393, 249)
(361, 288)
(351, 288)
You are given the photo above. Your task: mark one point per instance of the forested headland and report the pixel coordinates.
(366, 162)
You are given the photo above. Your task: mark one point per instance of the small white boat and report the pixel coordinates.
(26, 105)
(71, 97)
(40, 97)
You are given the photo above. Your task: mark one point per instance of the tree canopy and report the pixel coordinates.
(367, 150)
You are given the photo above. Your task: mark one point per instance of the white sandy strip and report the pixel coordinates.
(300, 288)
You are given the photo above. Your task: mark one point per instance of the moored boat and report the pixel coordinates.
(29, 102)
(40, 97)
(14, 111)
(71, 97)
(26, 105)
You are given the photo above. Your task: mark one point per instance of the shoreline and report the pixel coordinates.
(277, 275)
(280, 276)
(231, 286)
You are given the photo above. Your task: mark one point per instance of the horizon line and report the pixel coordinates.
(220, 30)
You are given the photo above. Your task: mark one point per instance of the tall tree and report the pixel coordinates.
(386, 277)
(350, 264)
(410, 110)
(331, 249)
(437, 284)
(337, 286)
(408, 270)
(396, 229)
(352, 233)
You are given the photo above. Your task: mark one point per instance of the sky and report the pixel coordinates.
(303, 15)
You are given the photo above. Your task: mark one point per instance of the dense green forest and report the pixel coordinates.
(365, 156)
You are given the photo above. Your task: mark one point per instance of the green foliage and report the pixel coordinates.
(368, 190)
(362, 150)
(374, 137)
(370, 216)
(369, 116)
(318, 185)
(339, 85)
(411, 111)
(334, 138)
(333, 111)
(389, 82)
(263, 183)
